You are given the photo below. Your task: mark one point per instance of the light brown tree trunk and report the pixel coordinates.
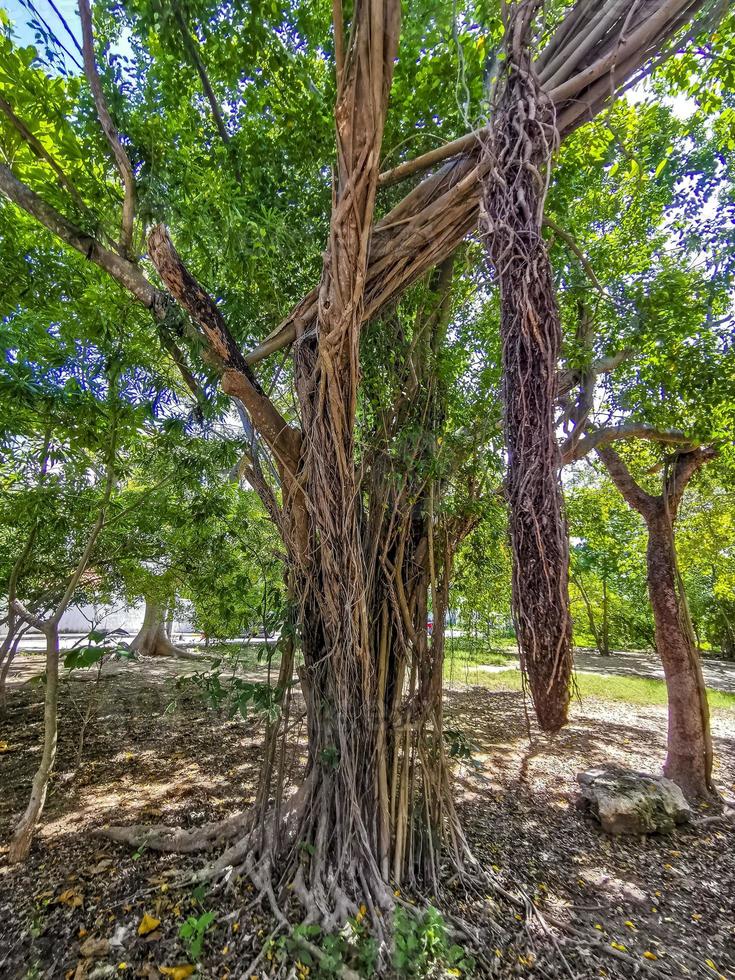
(152, 639)
(689, 748)
(20, 844)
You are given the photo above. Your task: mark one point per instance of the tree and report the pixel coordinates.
(689, 758)
(368, 532)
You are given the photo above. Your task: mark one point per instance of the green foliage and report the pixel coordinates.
(96, 647)
(327, 954)
(423, 948)
(193, 931)
(234, 694)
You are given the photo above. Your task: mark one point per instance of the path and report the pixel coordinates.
(718, 674)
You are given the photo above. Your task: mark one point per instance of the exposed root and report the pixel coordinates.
(176, 840)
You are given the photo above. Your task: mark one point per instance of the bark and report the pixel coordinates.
(523, 138)
(689, 742)
(689, 746)
(20, 843)
(152, 639)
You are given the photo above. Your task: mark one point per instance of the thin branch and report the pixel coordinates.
(68, 29)
(124, 272)
(192, 50)
(585, 262)
(108, 126)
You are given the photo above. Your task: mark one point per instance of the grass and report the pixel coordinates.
(632, 690)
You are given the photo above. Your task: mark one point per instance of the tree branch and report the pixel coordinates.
(108, 126)
(599, 438)
(237, 379)
(635, 495)
(685, 466)
(40, 150)
(192, 51)
(121, 269)
(124, 272)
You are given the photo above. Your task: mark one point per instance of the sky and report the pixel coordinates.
(20, 12)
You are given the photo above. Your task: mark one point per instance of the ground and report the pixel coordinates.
(154, 752)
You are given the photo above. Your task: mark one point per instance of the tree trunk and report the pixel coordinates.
(152, 639)
(689, 750)
(597, 634)
(605, 648)
(523, 139)
(20, 844)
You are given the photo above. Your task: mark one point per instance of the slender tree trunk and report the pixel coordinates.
(689, 746)
(605, 648)
(152, 639)
(20, 844)
(689, 749)
(598, 636)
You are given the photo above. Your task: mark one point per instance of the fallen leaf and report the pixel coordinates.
(71, 896)
(649, 955)
(147, 924)
(177, 972)
(100, 867)
(4, 747)
(94, 948)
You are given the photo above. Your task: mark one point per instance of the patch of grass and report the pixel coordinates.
(463, 650)
(632, 690)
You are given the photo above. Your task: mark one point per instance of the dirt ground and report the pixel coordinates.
(152, 753)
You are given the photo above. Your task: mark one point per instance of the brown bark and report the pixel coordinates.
(688, 759)
(689, 741)
(522, 139)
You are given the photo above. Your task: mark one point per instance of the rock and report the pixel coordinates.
(628, 802)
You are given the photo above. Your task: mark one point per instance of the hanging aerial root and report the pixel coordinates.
(519, 150)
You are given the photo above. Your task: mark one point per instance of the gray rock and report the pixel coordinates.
(628, 802)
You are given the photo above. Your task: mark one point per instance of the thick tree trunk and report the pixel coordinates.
(689, 749)
(523, 139)
(152, 639)
(20, 844)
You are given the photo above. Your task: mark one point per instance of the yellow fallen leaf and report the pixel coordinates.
(711, 965)
(4, 747)
(70, 897)
(147, 924)
(648, 955)
(630, 924)
(179, 972)
(618, 946)
(598, 925)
